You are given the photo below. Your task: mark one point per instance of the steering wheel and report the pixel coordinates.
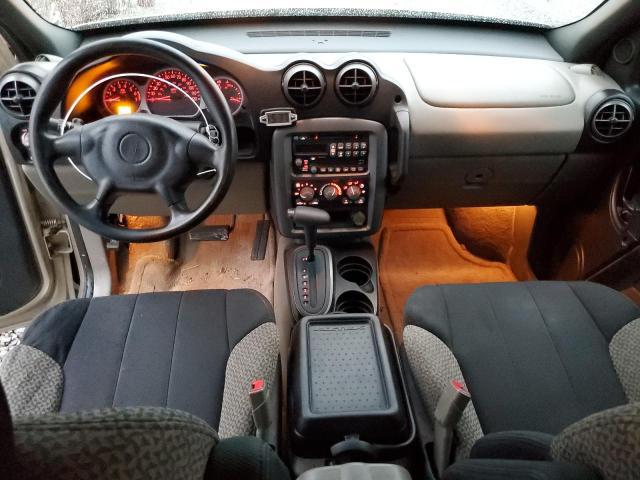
(137, 152)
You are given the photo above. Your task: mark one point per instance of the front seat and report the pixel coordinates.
(195, 352)
(128, 443)
(535, 356)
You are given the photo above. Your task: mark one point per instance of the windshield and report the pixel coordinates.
(82, 14)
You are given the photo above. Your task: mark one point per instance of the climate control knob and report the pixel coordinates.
(331, 191)
(307, 194)
(353, 192)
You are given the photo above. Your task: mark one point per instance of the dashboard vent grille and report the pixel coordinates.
(356, 83)
(319, 33)
(17, 96)
(611, 120)
(303, 84)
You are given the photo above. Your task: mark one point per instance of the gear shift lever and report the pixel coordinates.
(309, 218)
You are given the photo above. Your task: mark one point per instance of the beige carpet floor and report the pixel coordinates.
(203, 265)
(424, 251)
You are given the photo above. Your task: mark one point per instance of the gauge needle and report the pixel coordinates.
(159, 99)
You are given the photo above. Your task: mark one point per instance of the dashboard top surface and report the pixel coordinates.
(278, 36)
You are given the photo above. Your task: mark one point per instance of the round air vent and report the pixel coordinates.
(356, 83)
(611, 117)
(303, 84)
(17, 93)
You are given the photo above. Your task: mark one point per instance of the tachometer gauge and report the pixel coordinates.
(166, 99)
(232, 93)
(121, 96)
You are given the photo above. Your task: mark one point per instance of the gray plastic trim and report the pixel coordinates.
(452, 81)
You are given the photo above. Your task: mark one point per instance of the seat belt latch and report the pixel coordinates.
(258, 395)
(451, 405)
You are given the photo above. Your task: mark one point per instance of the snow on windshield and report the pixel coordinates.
(85, 14)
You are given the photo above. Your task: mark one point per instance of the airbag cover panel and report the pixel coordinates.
(452, 81)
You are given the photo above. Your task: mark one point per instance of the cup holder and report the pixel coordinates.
(353, 302)
(356, 270)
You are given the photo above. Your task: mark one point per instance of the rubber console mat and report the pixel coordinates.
(413, 255)
(218, 265)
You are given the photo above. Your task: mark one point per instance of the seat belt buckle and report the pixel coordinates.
(258, 396)
(451, 404)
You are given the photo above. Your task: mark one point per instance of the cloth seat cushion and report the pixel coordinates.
(192, 351)
(534, 355)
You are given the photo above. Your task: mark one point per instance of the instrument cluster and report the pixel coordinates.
(169, 92)
(130, 83)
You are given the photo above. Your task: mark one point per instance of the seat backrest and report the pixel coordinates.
(135, 442)
(608, 442)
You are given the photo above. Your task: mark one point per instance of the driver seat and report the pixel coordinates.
(196, 352)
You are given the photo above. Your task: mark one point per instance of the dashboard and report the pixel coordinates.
(492, 118)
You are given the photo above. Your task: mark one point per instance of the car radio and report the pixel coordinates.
(329, 153)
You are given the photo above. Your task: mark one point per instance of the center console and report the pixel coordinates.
(346, 394)
(336, 164)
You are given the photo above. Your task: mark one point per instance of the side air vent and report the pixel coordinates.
(17, 94)
(319, 33)
(356, 83)
(611, 117)
(303, 84)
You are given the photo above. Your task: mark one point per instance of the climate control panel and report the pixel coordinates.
(330, 193)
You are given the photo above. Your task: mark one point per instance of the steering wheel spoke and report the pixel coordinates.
(105, 198)
(174, 198)
(67, 144)
(204, 153)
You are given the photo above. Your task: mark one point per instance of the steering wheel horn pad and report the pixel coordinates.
(134, 148)
(135, 152)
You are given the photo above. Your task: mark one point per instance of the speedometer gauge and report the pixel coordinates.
(163, 98)
(232, 93)
(121, 96)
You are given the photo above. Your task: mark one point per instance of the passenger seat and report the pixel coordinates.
(536, 357)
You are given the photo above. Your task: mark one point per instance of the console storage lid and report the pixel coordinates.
(343, 382)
